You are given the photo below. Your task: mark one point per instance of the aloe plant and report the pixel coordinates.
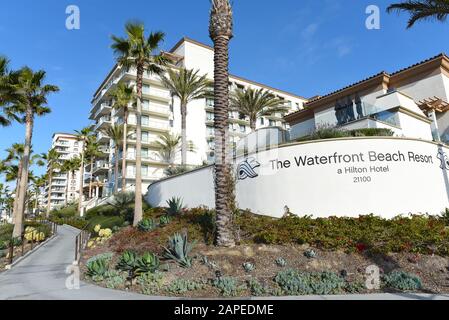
(128, 262)
(97, 269)
(179, 249)
(146, 225)
(175, 206)
(149, 262)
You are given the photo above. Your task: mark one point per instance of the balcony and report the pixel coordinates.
(156, 110)
(160, 94)
(100, 166)
(103, 123)
(152, 126)
(104, 109)
(102, 138)
(146, 158)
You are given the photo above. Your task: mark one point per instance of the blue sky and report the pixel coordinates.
(307, 47)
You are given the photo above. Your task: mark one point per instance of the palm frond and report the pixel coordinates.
(422, 10)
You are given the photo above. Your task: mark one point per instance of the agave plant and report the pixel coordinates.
(146, 225)
(175, 206)
(164, 220)
(128, 262)
(248, 267)
(149, 262)
(281, 262)
(179, 249)
(97, 269)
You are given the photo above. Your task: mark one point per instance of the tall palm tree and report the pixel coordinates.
(7, 95)
(255, 104)
(422, 10)
(92, 153)
(124, 96)
(221, 32)
(168, 146)
(69, 167)
(115, 132)
(39, 182)
(84, 136)
(142, 53)
(31, 101)
(52, 157)
(187, 85)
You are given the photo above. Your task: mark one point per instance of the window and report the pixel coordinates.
(145, 153)
(145, 136)
(145, 171)
(210, 102)
(171, 123)
(145, 120)
(145, 104)
(272, 123)
(210, 131)
(209, 116)
(242, 129)
(146, 88)
(262, 120)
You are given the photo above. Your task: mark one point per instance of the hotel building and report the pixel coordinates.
(64, 187)
(161, 114)
(412, 102)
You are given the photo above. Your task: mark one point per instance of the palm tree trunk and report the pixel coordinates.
(253, 124)
(91, 176)
(14, 208)
(138, 190)
(18, 226)
(50, 180)
(183, 134)
(116, 162)
(80, 200)
(125, 148)
(223, 198)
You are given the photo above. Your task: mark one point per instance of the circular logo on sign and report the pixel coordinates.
(246, 169)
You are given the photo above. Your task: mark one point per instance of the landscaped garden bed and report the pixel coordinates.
(172, 254)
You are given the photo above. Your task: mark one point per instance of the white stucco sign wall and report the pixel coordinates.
(345, 177)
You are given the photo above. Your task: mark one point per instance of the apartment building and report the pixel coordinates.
(65, 185)
(412, 102)
(161, 114)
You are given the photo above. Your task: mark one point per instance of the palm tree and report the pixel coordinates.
(168, 146)
(142, 53)
(7, 95)
(30, 101)
(422, 10)
(115, 132)
(220, 31)
(255, 104)
(53, 163)
(84, 136)
(39, 182)
(92, 153)
(69, 167)
(187, 85)
(123, 96)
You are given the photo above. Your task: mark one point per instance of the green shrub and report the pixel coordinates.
(332, 132)
(179, 249)
(258, 289)
(281, 262)
(97, 269)
(107, 256)
(69, 211)
(150, 283)
(6, 232)
(179, 286)
(229, 287)
(105, 222)
(103, 210)
(164, 220)
(294, 282)
(372, 132)
(115, 279)
(146, 225)
(445, 216)
(128, 262)
(403, 281)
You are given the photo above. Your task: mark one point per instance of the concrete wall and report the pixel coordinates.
(363, 185)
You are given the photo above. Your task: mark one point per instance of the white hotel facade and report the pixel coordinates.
(161, 114)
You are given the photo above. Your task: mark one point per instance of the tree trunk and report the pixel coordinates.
(14, 208)
(50, 180)
(223, 194)
(125, 148)
(183, 134)
(18, 226)
(253, 124)
(116, 162)
(91, 177)
(80, 200)
(138, 190)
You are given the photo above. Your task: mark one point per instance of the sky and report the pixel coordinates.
(307, 47)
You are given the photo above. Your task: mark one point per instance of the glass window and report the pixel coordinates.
(210, 102)
(145, 136)
(146, 88)
(145, 104)
(262, 120)
(145, 153)
(145, 171)
(145, 120)
(242, 129)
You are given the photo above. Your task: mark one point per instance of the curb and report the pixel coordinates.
(10, 266)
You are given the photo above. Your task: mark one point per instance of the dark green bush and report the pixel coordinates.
(105, 222)
(372, 132)
(420, 234)
(66, 212)
(6, 232)
(104, 210)
(294, 282)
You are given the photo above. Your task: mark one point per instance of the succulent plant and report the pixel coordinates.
(248, 266)
(149, 262)
(310, 254)
(97, 269)
(128, 262)
(175, 206)
(146, 225)
(281, 262)
(179, 249)
(164, 220)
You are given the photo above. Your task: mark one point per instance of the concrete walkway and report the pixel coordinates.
(41, 276)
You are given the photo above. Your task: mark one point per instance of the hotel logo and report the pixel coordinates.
(442, 156)
(246, 169)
